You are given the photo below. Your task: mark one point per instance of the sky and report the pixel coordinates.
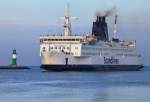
(23, 21)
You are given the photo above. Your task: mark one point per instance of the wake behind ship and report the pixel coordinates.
(94, 52)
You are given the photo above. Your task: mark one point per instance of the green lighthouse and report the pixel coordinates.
(14, 58)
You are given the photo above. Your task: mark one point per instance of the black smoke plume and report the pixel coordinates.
(107, 13)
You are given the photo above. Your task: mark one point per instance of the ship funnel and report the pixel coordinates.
(100, 29)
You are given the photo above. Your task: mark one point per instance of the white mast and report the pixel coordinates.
(115, 28)
(67, 23)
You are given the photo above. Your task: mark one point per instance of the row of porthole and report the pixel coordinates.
(60, 40)
(106, 49)
(59, 48)
(131, 55)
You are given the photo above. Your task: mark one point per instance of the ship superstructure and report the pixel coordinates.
(90, 52)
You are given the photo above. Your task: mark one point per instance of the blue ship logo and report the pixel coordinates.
(111, 60)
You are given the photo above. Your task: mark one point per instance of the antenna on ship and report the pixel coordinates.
(68, 10)
(115, 38)
(67, 23)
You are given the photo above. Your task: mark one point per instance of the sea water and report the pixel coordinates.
(37, 85)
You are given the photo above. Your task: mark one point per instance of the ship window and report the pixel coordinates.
(45, 39)
(68, 48)
(76, 48)
(76, 53)
(44, 49)
(41, 40)
(81, 40)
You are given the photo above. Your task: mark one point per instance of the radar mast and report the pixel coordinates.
(67, 23)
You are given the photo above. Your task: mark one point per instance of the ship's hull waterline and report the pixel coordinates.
(92, 67)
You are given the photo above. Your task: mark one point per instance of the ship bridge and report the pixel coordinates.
(66, 44)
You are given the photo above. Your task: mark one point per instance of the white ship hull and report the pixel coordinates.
(57, 62)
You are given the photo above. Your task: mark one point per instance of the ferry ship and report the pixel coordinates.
(93, 52)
